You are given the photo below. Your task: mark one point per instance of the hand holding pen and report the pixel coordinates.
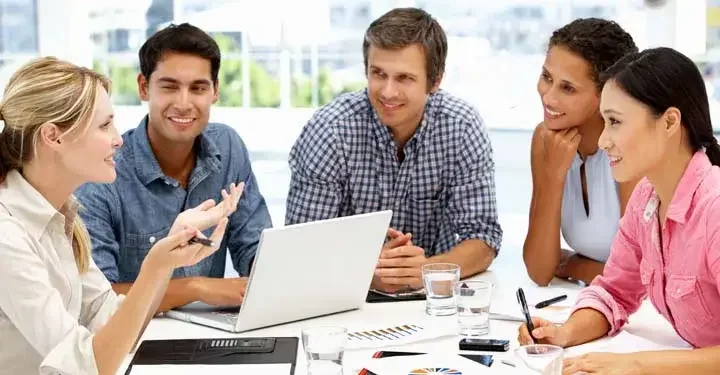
(543, 331)
(526, 312)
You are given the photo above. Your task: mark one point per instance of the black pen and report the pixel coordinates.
(549, 302)
(202, 241)
(523, 304)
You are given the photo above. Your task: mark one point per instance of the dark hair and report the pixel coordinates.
(662, 78)
(600, 42)
(183, 38)
(402, 27)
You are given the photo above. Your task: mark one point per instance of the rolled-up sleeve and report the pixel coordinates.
(472, 204)
(618, 292)
(36, 309)
(316, 174)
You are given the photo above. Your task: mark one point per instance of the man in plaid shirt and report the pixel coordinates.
(402, 144)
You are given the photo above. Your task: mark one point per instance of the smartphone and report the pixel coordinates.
(485, 345)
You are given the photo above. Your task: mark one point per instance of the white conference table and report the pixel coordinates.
(506, 273)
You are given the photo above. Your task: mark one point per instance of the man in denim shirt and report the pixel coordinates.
(175, 160)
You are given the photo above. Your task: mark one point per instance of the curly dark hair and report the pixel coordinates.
(600, 42)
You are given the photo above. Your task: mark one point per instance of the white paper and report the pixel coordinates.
(427, 364)
(559, 312)
(381, 336)
(624, 342)
(265, 369)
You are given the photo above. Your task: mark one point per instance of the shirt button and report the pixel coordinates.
(152, 239)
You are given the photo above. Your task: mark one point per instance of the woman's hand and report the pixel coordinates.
(602, 363)
(174, 251)
(545, 332)
(208, 214)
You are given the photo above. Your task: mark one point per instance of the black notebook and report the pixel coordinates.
(220, 351)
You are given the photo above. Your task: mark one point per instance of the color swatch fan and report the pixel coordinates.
(426, 364)
(435, 371)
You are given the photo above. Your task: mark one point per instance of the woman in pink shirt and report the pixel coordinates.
(657, 125)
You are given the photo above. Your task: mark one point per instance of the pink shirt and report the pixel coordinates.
(682, 275)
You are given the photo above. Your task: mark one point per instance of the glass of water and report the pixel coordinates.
(439, 279)
(545, 359)
(324, 348)
(473, 307)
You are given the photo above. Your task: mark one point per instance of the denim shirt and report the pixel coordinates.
(126, 218)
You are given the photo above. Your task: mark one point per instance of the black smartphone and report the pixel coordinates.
(485, 345)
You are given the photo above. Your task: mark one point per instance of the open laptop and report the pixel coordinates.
(303, 271)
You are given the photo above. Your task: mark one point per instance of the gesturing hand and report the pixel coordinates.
(174, 251)
(208, 214)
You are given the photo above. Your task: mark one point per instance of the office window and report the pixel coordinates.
(18, 27)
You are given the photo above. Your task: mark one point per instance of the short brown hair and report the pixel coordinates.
(402, 27)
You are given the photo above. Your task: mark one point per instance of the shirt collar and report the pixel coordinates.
(384, 133)
(27, 205)
(148, 168)
(696, 171)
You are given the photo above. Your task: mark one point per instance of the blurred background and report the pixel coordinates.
(282, 59)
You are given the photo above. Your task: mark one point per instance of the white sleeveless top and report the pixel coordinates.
(590, 236)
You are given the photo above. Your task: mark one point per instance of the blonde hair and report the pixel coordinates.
(48, 90)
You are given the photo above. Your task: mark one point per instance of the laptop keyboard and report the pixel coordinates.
(224, 317)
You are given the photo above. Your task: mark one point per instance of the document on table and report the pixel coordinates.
(379, 336)
(265, 369)
(509, 309)
(625, 342)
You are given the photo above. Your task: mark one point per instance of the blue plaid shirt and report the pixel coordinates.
(345, 162)
(127, 217)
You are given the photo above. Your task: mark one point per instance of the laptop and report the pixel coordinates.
(302, 271)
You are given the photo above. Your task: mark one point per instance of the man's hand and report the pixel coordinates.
(396, 238)
(221, 292)
(401, 267)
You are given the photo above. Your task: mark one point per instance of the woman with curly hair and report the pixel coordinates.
(573, 188)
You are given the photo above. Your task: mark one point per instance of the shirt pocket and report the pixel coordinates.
(688, 302)
(137, 246)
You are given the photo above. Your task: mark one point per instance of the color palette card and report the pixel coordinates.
(396, 335)
(427, 364)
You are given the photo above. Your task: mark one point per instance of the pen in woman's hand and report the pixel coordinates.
(526, 312)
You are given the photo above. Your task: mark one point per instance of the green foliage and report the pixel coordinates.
(264, 89)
